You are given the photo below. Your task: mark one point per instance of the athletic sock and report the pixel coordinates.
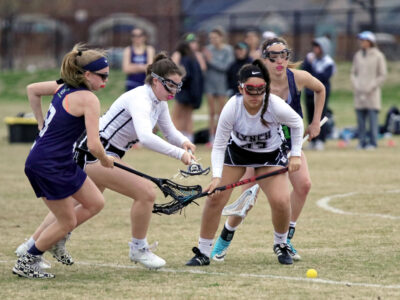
(280, 238)
(139, 243)
(35, 251)
(231, 228)
(292, 229)
(30, 242)
(205, 246)
(227, 232)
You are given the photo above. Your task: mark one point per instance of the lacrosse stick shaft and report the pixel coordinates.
(245, 181)
(133, 171)
(323, 121)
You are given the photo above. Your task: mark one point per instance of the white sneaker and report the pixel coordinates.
(145, 257)
(23, 249)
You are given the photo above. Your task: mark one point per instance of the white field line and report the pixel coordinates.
(245, 275)
(324, 204)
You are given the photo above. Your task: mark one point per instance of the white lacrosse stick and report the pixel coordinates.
(242, 205)
(247, 199)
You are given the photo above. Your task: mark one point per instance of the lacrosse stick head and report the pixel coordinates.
(243, 204)
(194, 169)
(181, 195)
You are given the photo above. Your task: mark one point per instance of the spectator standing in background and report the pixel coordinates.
(319, 64)
(368, 73)
(136, 58)
(252, 38)
(219, 56)
(191, 94)
(241, 58)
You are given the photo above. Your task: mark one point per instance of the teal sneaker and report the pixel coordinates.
(220, 248)
(292, 251)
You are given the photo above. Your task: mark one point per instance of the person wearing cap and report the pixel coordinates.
(241, 51)
(54, 175)
(249, 135)
(319, 64)
(368, 72)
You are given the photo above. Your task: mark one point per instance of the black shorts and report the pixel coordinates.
(237, 156)
(82, 157)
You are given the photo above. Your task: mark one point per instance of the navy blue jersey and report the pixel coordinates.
(136, 79)
(50, 165)
(294, 100)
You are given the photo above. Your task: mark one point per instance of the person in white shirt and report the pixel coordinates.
(249, 134)
(131, 119)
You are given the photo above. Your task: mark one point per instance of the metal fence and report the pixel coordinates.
(36, 41)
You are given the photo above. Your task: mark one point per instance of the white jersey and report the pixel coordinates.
(132, 117)
(248, 132)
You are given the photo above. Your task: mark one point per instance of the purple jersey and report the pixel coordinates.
(50, 166)
(136, 79)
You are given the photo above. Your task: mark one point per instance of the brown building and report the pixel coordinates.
(38, 32)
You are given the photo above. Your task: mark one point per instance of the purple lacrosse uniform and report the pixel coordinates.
(50, 166)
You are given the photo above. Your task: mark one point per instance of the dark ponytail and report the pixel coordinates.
(163, 66)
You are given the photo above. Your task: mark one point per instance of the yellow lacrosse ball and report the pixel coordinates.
(312, 273)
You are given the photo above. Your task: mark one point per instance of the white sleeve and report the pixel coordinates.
(286, 115)
(224, 129)
(141, 118)
(167, 127)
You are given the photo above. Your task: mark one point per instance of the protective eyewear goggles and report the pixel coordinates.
(274, 55)
(254, 89)
(104, 76)
(169, 85)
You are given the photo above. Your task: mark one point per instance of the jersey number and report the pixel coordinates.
(49, 117)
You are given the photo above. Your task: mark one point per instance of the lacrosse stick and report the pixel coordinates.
(194, 169)
(169, 188)
(177, 205)
(247, 199)
(242, 205)
(174, 206)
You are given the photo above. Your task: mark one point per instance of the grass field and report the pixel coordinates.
(348, 231)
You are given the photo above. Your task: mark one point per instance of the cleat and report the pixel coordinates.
(293, 252)
(282, 251)
(23, 249)
(199, 259)
(146, 257)
(28, 266)
(220, 248)
(60, 253)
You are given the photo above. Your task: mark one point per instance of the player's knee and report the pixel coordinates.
(97, 205)
(69, 224)
(149, 196)
(304, 188)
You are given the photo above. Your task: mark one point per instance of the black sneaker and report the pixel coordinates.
(283, 252)
(199, 259)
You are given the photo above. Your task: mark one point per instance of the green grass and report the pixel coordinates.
(13, 84)
(356, 254)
